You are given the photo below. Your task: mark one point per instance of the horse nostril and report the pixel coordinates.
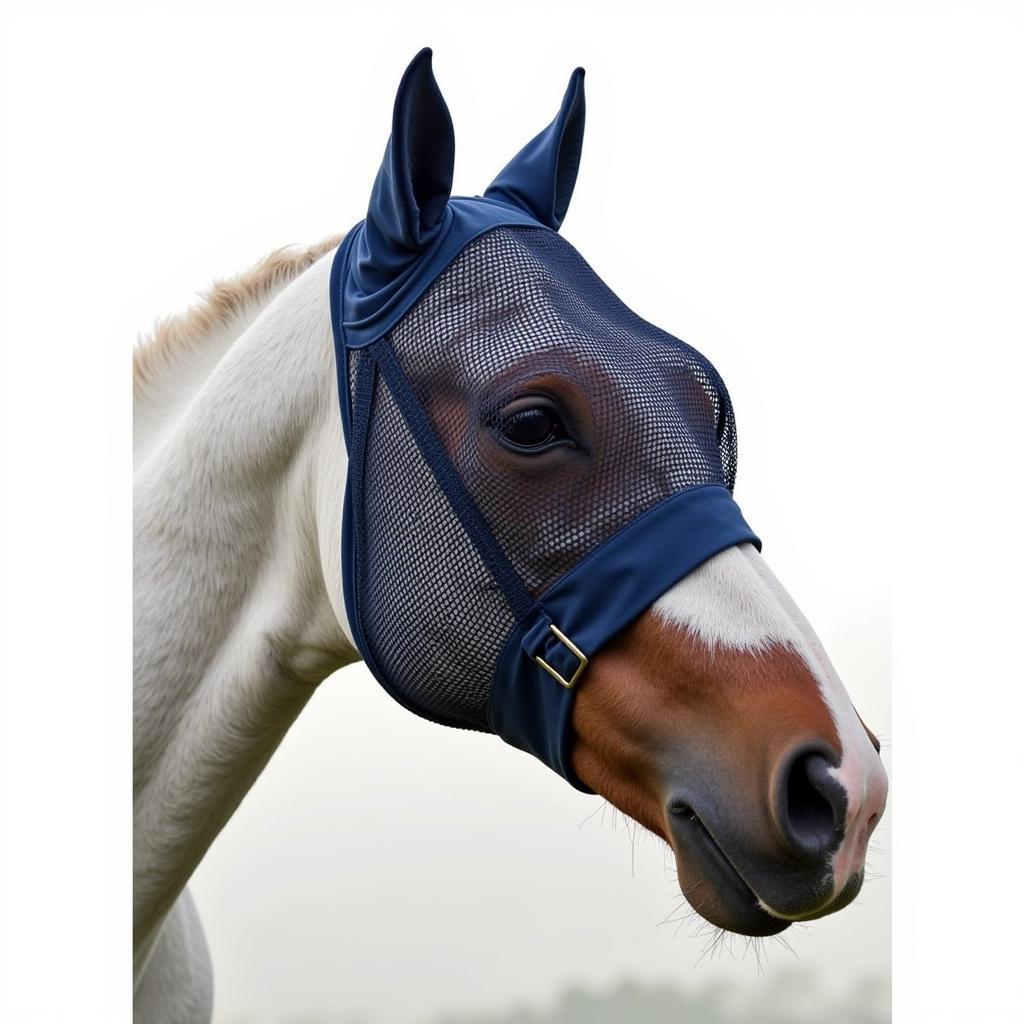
(811, 805)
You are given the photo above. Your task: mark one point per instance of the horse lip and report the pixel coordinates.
(685, 813)
(702, 844)
(690, 815)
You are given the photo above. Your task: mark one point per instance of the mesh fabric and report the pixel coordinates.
(518, 312)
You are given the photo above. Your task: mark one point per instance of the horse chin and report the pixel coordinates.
(714, 888)
(849, 893)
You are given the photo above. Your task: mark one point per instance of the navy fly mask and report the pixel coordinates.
(531, 464)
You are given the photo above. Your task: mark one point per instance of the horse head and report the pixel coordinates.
(541, 539)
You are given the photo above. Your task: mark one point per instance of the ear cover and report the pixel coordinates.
(541, 176)
(411, 192)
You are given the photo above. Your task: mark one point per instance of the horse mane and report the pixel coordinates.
(181, 333)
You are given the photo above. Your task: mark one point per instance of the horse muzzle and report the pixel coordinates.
(796, 855)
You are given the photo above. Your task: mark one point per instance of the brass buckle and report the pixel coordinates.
(554, 673)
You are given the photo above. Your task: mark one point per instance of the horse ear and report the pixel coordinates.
(414, 182)
(541, 176)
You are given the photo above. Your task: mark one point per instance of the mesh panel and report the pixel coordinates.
(518, 313)
(520, 310)
(439, 655)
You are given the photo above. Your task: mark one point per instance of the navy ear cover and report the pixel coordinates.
(413, 185)
(541, 176)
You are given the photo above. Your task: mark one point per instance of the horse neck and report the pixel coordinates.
(238, 591)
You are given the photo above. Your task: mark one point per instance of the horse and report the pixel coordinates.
(709, 713)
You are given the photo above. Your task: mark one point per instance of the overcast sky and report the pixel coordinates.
(822, 196)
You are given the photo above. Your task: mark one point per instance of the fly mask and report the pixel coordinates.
(531, 465)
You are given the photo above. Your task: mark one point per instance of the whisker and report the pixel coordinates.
(782, 941)
(755, 944)
(669, 917)
(632, 850)
(600, 807)
(694, 915)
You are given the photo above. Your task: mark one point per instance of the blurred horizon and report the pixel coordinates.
(793, 997)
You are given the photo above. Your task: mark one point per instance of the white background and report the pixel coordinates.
(824, 198)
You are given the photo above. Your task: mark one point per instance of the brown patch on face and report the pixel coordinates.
(463, 423)
(658, 710)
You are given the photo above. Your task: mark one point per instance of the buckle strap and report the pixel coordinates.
(554, 652)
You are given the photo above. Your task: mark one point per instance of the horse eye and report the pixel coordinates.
(531, 425)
